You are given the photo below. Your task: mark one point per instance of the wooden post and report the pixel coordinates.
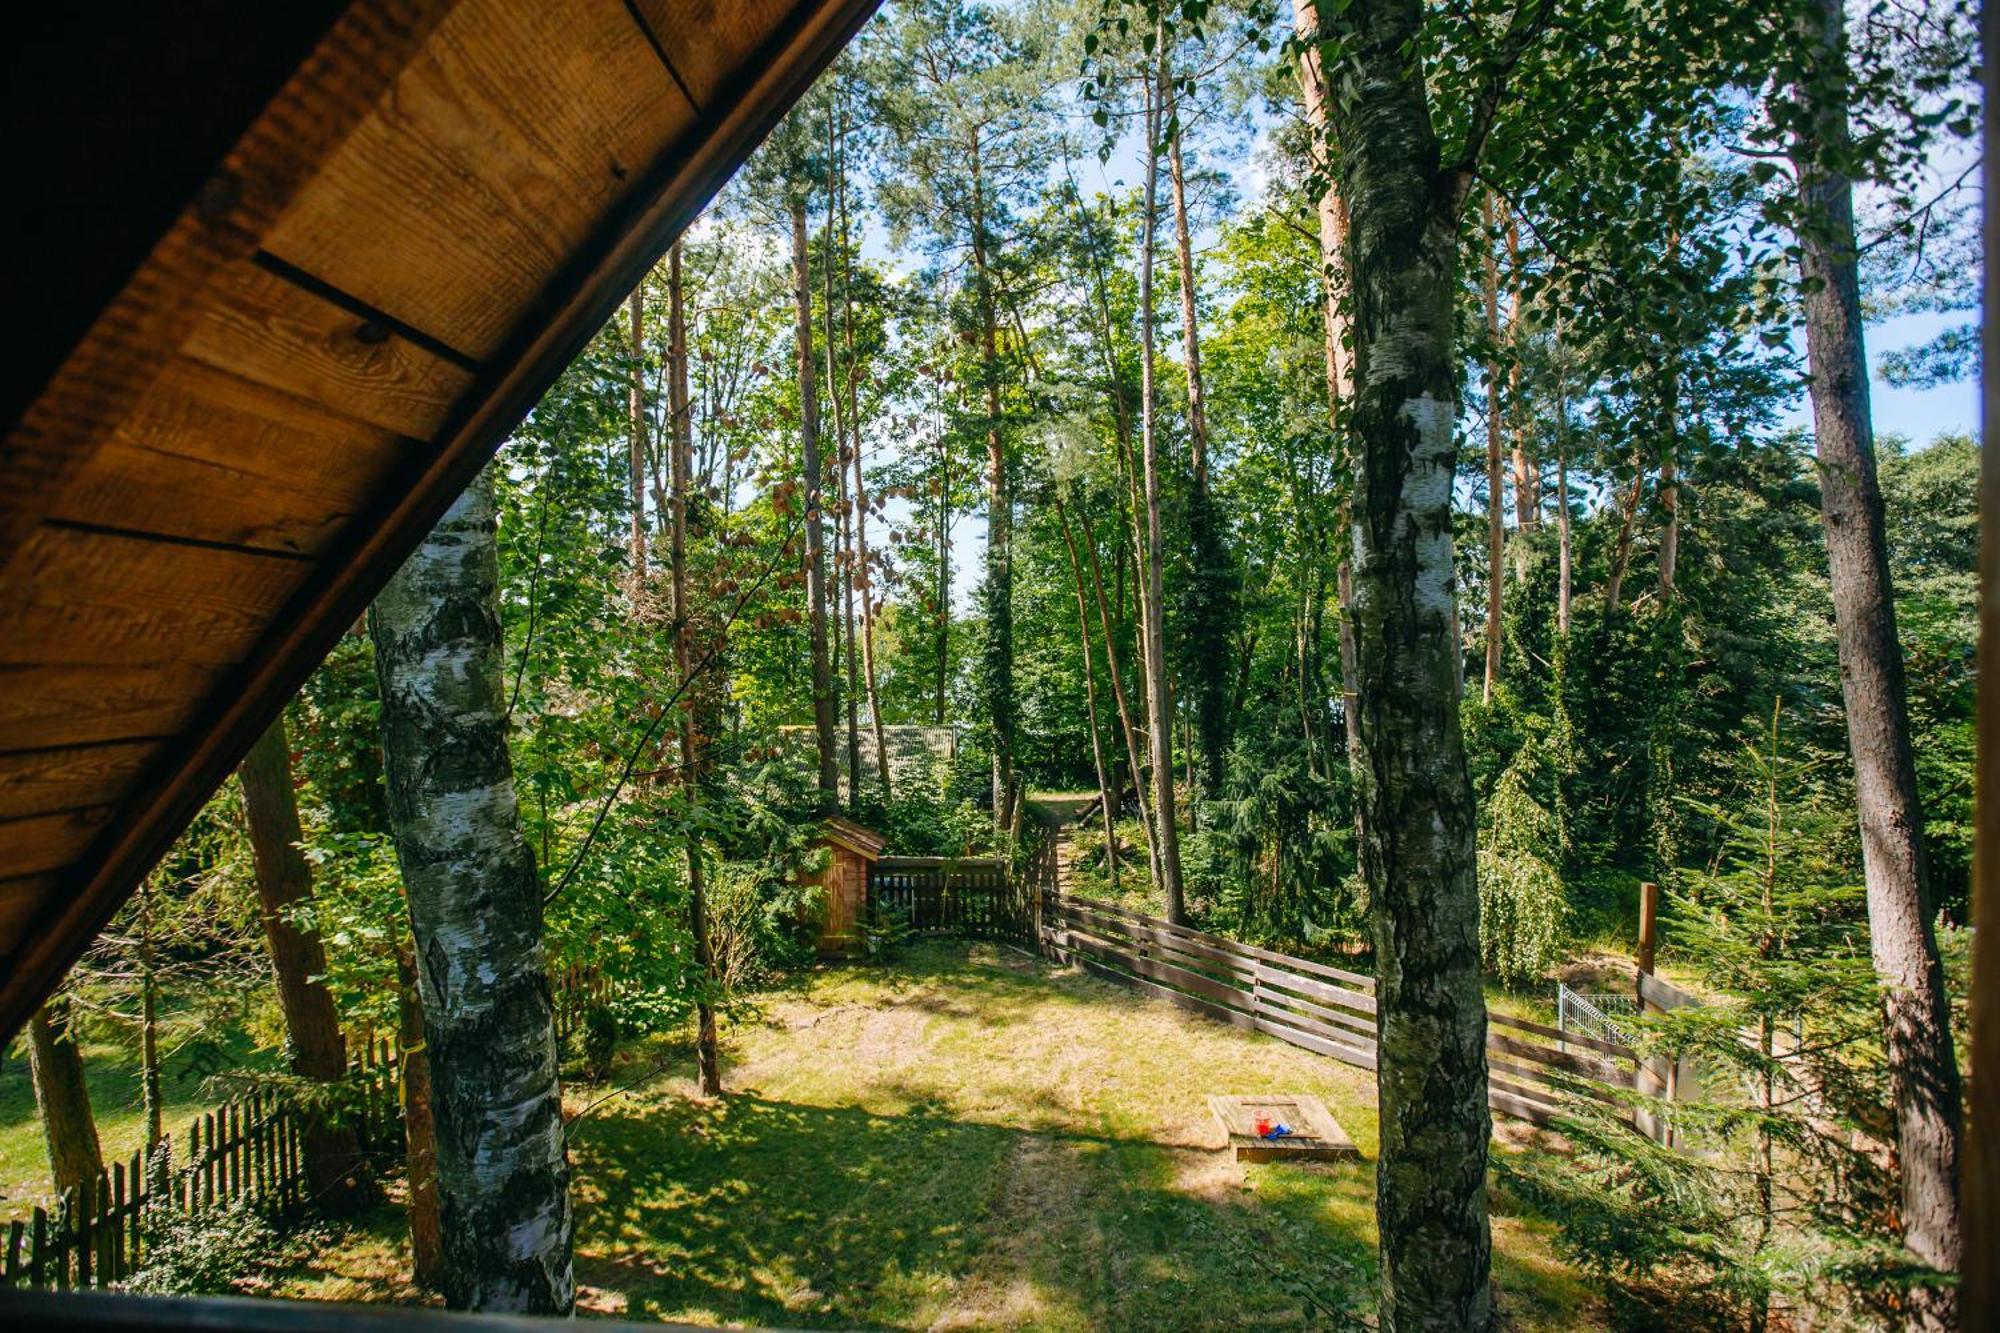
(1649, 924)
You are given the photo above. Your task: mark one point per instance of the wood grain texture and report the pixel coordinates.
(36, 782)
(89, 598)
(51, 841)
(106, 372)
(44, 706)
(499, 150)
(707, 39)
(211, 456)
(570, 305)
(263, 329)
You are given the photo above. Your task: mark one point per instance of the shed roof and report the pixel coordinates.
(856, 838)
(298, 269)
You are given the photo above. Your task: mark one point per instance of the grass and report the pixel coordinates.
(969, 1138)
(194, 1051)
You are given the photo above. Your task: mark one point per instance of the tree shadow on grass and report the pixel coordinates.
(772, 1212)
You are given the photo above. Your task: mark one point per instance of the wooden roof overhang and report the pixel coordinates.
(299, 269)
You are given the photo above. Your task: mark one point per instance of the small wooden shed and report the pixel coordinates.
(852, 849)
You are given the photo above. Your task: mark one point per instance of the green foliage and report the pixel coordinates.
(1779, 1195)
(1523, 910)
(216, 1250)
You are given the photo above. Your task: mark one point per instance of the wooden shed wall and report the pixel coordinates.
(435, 211)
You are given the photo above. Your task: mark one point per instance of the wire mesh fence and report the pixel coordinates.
(1606, 1017)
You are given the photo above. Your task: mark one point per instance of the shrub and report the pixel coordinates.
(211, 1251)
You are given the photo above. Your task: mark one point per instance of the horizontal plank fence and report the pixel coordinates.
(1534, 1070)
(942, 895)
(250, 1148)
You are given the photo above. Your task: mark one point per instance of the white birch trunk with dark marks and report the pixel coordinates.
(1416, 796)
(1923, 1069)
(476, 920)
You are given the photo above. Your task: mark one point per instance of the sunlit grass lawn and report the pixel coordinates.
(968, 1137)
(193, 1049)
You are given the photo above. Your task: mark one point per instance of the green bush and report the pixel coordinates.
(213, 1250)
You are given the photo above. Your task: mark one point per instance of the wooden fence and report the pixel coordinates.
(949, 896)
(573, 991)
(248, 1148)
(1534, 1070)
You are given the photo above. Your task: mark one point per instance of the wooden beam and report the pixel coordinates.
(134, 336)
(574, 304)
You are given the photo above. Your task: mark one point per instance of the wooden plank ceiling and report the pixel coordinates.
(331, 325)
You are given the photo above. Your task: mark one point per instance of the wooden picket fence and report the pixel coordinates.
(573, 991)
(251, 1148)
(1534, 1070)
(941, 895)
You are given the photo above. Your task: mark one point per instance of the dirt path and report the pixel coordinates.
(1061, 813)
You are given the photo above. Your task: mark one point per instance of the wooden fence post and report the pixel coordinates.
(1649, 924)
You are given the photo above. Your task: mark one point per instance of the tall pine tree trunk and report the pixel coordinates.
(419, 1125)
(708, 1063)
(1106, 796)
(1496, 499)
(815, 478)
(1621, 551)
(1527, 467)
(1211, 609)
(334, 1168)
(1332, 214)
(1563, 552)
(1159, 704)
(998, 664)
(152, 1107)
(636, 439)
(1419, 822)
(862, 573)
(1134, 762)
(1923, 1069)
(844, 435)
(942, 629)
(69, 1129)
(1121, 419)
(476, 921)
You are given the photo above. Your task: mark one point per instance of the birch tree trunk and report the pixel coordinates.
(69, 1128)
(1159, 706)
(1923, 1069)
(1419, 824)
(822, 669)
(476, 922)
(334, 1169)
(708, 1062)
